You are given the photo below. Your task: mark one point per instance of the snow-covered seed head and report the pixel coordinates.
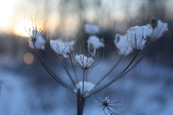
(94, 43)
(122, 44)
(108, 104)
(138, 36)
(88, 87)
(62, 48)
(91, 29)
(158, 29)
(84, 62)
(36, 40)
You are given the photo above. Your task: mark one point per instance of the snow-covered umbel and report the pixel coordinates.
(83, 61)
(158, 30)
(88, 86)
(36, 39)
(138, 36)
(122, 44)
(95, 41)
(61, 48)
(91, 29)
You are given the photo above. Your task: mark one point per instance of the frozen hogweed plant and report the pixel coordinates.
(136, 39)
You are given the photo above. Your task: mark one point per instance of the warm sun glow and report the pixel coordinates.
(23, 28)
(28, 58)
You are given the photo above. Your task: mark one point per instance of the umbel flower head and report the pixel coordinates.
(158, 28)
(122, 44)
(91, 29)
(36, 39)
(62, 48)
(108, 104)
(94, 43)
(138, 36)
(88, 87)
(84, 62)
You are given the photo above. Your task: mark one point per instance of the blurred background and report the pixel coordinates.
(27, 89)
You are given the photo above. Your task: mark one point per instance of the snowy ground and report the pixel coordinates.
(147, 90)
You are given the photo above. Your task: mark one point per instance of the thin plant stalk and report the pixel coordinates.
(106, 75)
(74, 70)
(83, 81)
(55, 77)
(68, 73)
(116, 78)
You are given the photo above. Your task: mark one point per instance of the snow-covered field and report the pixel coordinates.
(147, 90)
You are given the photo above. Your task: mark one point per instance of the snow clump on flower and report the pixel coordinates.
(122, 44)
(138, 36)
(83, 61)
(88, 86)
(158, 28)
(91, 29)
(62, 48)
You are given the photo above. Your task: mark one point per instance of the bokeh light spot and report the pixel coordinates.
(28, 58)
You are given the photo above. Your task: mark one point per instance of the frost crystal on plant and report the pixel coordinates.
(122, 44)
(158, 30)
(138, 36)
(36, 39)
(83, 61)
(88, 86)
(62, 48)
(91, 29)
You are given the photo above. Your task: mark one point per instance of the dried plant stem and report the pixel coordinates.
(68, 73)
(80, 103)
(55, 77)
(116, 78)
(74, 69)
(106, 75)
(83, 81)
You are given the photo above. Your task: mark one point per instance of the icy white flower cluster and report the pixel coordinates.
(138, 37)
(36, 39)
(93, 41)
(83, 61)
(157, 31)
(91, 29)
(62, 48)
(122, 44)
(88, 86)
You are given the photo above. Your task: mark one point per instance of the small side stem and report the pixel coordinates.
(74, 69)
(68, 73)
(115, 65)
(116, 78)
(83, 81)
